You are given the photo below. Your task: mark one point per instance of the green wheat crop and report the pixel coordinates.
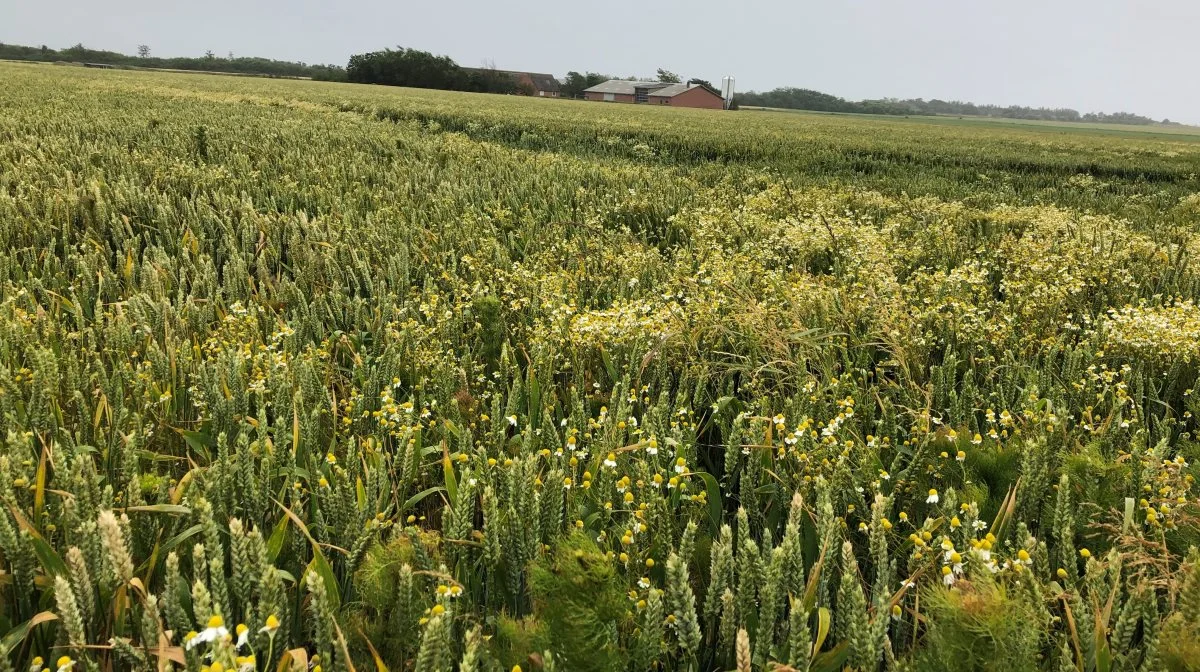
(304, 376)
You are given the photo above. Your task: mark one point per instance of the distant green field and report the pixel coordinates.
(1063, 126)
(313, 377)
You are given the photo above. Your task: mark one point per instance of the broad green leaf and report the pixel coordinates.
(416, 499)
(318, 564)
(832, 660)
(197, 441)
(608, 365)
(13, 638)
(50, 560)
(823, 621)
(321, 566)
(182, 537)
(39, 493)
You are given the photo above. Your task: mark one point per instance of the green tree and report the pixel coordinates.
(665, 75)
(423, 70)
(575, 83)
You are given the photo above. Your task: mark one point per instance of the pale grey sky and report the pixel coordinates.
(1093, 55)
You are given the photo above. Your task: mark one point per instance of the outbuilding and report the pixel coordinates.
(692, 94)
(687, 95)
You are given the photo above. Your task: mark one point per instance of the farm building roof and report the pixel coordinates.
(676, 89)
(624, 86)
(670, 90)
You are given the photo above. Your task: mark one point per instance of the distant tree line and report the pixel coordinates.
(207, 63)
(807, 99)
(423, 70)
(955, 107)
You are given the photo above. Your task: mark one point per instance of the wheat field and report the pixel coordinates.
(312, 376)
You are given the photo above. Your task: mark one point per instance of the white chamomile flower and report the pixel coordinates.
(956, 563)
(948, 577)
(215, 630)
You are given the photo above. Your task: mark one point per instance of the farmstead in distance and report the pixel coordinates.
(692, 94)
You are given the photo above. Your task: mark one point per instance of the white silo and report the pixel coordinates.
(727, 90)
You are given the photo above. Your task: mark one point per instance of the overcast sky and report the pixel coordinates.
(1093, 55)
